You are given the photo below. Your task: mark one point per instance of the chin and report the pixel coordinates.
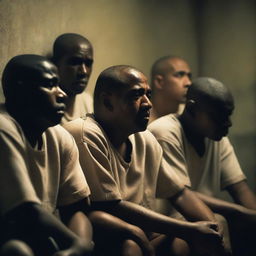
(143, 126)
(79, 88)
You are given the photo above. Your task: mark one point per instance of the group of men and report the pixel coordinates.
(89, 186)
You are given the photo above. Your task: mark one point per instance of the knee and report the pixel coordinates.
(130, 248)
(180, 248)
(15, 248)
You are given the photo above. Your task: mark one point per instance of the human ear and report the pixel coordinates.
(191, 106)
(158, 82)
(106, 100)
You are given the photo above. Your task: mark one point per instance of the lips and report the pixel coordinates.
(60, 109)
(82, 81)
(145, 115)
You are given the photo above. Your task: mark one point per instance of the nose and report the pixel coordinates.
(146, 101)
(83, 69)
(60, 94)
(187, 81)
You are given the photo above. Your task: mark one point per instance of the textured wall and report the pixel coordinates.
(132, 32)
(218, 38)
(227, 51)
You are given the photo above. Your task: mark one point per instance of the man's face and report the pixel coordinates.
(44, 96)
(75, 69)
(132, 104)
(177, 80)
(214, 121)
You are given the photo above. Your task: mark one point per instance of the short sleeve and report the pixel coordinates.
(231, 172)
(98, 171)
(73, 185)
(15, 183)
(174, 156)
(168, 183)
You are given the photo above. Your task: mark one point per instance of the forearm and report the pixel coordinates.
(192, 207)
(242, 194)
(31, 219)
(220, 206)
(149, 220)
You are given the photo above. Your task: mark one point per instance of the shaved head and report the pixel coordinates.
(162, 65)
(68, 43)
(23, 69)
(208, 91)
(114, 79)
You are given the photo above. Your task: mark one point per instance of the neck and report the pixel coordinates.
(163, 107)
(192, 134)
(32, 129)
(116, 135)
(70, 102)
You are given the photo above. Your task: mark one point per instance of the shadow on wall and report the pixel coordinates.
(245, 148)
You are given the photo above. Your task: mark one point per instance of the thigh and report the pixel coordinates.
(15, 248)
(167, 245)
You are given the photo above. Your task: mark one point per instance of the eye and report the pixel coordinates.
(51, 83)
(149, 95)
(75, 61)
(88, 62)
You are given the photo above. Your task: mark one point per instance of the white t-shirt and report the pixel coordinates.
(51, 176)
(214, 171)
(110, 177)
(79, 106)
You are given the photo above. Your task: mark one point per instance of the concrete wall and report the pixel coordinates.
(227, 51)
(132, 32)
(218, 38)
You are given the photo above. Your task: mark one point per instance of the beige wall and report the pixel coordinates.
(132, 32)
(218, 38)
(227, 51)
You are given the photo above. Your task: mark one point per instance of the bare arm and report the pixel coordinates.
(30, 219)
(105, 224)
(191, 207)
(234, 213)
(149, 220)
(242, 194)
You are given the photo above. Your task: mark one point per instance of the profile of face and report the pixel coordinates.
(132, 105)
(75, 68)
(45, 100)
(214, 121)
(177, 80)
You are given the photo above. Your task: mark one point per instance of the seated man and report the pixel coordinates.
(39, 165)
(41, 171)
(73, 55)
(170, 80)
(196, 148)
(125, 170)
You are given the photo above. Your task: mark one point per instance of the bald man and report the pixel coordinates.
(123, 165)
(40, 170)
(170, 79)
(196, 147)
(73, 55)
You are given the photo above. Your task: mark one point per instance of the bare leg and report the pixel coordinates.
(15, 248)
(130, 248)
(170, 246)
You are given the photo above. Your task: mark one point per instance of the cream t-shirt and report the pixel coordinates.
(51, 176)
(79, 106)
(140, 181)
(216, 170)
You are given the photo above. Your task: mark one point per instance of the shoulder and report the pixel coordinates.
(87, 130)
(166, 127)
(145, 140)
(9, 125)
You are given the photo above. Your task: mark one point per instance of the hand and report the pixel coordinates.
(206, 239)
(141, 239)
